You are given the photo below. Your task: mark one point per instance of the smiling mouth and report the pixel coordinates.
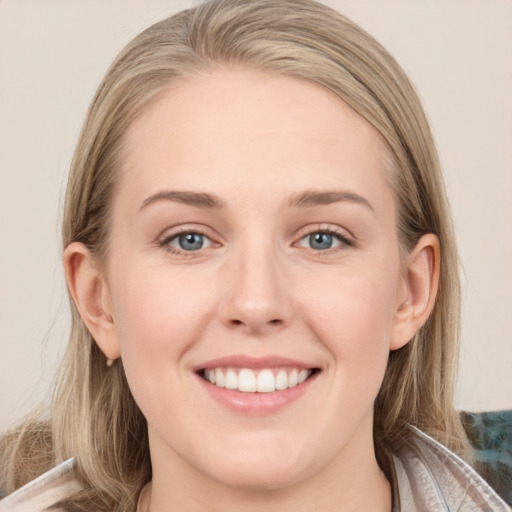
(265, 380)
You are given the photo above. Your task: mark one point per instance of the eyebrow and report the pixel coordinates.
(318, 197)
(197, 199)
(305, 199)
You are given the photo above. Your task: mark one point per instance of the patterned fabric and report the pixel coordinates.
(490, 433)
(45, 492)
(429, 477)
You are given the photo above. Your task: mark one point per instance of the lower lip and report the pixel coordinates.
(257, 403)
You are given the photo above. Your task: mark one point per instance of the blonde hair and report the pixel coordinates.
(93, 414)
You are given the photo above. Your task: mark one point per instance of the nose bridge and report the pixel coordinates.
(256, 296)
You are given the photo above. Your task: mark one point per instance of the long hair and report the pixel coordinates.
(93, 415)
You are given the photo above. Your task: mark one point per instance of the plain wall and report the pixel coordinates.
(53, 55)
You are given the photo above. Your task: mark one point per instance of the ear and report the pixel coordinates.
(419, 290)
(91, 296)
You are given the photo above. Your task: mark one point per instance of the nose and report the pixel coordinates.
(257, 298)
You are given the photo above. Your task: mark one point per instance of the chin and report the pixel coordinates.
(266, 477)
(267, 466)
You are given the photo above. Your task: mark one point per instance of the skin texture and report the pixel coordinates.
(257, 287)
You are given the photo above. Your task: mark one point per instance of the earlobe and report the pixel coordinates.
(420, 285)
(91, 296)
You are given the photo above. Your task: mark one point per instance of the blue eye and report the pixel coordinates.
(190, 241)
(323, 241)
(186, 242)
(320, 241)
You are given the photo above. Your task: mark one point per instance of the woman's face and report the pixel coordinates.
(254, 244)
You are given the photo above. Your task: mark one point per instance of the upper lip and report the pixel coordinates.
(252, 362)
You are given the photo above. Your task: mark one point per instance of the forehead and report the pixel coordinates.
(244, 129)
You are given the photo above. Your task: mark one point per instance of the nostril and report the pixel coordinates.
(275, 321)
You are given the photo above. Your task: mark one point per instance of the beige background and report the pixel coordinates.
(52, 56)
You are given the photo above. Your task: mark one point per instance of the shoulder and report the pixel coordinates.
(428, 476)
(46, 491)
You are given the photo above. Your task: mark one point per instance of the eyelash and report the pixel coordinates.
(166, 241)
(340, 236)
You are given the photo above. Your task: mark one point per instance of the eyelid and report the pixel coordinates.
(171, 233)
(343, 235)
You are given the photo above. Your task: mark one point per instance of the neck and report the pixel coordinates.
(347, 484)
(376, 496)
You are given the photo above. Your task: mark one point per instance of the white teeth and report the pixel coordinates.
(281, 380)
(219, 378)
(210, 375)
(303, 375)
(231, 380)
(265, 382)
(249, 381)
(292, 378)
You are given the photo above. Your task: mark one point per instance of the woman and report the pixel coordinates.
(264, 283)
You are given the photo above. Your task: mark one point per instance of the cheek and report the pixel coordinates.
(158, 317)
(353, 316)
(155, 326)
(157, 310)
(356, 331)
